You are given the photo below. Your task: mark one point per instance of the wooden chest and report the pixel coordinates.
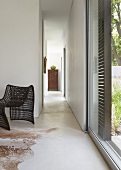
(52, 80)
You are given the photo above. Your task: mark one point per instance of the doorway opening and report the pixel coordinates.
(54, 58)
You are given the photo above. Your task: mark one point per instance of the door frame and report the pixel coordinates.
(64, 61)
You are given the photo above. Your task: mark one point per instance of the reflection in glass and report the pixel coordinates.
(116, 75)
(93, 62)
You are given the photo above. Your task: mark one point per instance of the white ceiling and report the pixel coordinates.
(55, 14)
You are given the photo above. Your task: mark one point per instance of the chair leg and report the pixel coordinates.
(3, 119)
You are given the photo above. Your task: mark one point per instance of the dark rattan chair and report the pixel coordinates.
(21, 103)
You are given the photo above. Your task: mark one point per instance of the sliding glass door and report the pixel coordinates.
(99, 80)
(99, 70)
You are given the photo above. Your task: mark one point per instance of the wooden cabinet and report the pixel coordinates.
(52, 80)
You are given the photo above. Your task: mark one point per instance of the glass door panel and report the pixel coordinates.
(116, 75)
(93, 65)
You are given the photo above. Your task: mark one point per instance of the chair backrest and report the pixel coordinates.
(15, 93)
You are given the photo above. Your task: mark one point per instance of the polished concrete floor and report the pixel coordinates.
(67, 149)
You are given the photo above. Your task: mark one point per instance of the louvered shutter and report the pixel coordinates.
(104, 69)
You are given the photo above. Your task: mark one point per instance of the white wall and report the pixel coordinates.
(39, 66)
(75, 43)
(20, 50)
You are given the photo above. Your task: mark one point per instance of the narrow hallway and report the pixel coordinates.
(68, 148)
(65, 148)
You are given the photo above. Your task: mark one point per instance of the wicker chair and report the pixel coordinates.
(21, 103)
